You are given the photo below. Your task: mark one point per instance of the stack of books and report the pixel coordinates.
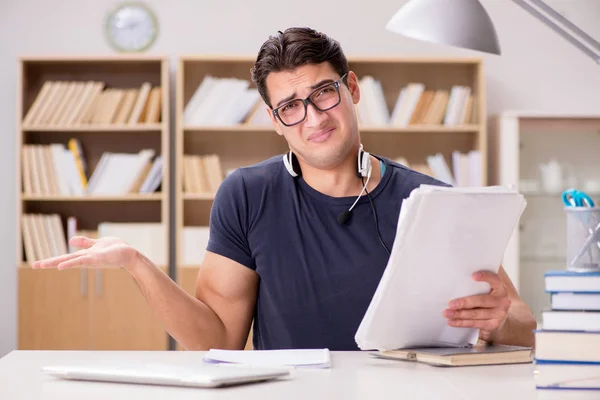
(567, 355)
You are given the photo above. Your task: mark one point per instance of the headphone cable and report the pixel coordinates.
(376, 219)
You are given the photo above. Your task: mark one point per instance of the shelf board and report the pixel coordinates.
(27, 265)
(553, 195)
(93, 128)
(420, 128)
(129, 197)
(363, 129)
(543, 259)
(198, 196)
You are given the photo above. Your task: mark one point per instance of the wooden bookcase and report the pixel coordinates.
(521, 144)
(96, 308)
(243, 143)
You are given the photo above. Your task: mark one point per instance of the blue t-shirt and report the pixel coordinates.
(316, 277)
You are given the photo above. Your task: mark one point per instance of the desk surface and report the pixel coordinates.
(353, 375)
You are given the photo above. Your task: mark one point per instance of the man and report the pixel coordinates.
(285, 251)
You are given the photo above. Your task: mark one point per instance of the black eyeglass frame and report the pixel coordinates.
(307, 100)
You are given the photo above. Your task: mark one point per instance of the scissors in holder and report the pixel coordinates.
(575, 198)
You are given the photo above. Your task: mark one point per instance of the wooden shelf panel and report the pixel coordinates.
(93, 59)
(130, 197)
(90, 213)
(363, 129)
(95, 128)
(198, 196)
(104, 290)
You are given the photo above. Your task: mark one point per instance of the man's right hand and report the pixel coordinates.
(103, 252)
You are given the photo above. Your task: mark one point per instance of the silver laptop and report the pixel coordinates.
(202, 375)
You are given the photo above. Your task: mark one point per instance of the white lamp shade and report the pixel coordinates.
(459, 23)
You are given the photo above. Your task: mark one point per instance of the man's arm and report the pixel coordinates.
(501, 316)
(218, 317)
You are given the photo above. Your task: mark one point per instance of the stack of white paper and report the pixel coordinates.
(444, 235)
(315, 358)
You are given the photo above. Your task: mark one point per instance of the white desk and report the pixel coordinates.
(354, 375)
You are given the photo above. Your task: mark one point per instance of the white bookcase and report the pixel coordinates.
(520, 144)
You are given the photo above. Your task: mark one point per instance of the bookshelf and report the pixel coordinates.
(520, 143)
(238, 133)
(93, 150)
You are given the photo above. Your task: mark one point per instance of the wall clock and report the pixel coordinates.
(131, 27)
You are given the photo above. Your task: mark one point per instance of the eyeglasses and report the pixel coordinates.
(324, 98)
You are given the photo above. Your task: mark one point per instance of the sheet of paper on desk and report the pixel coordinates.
(444, 235)
(312, 358)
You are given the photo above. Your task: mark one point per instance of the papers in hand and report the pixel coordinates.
(312, 358)
(444, 235)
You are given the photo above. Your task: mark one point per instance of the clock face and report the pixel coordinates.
(131, 27)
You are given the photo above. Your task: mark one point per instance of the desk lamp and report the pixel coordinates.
(466, 24)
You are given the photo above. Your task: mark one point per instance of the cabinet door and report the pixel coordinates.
(53, 309)
(186, 278)
(121, 317)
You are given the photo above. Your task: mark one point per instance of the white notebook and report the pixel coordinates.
(165, 374)
(310, 358)
(444, 235)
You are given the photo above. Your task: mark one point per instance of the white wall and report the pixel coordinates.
(538, 69)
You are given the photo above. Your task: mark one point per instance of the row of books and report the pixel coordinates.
(44, 236)
(59, 170)
(230, 101)
(202, 173)
(567, 353)
(416, 105)
(465, 170)
(76, 103)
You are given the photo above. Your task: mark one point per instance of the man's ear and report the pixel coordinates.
(273, 120)
(353, 87)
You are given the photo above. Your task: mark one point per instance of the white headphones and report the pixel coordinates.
(364, 163)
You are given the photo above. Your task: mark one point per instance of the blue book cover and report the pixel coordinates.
(565, 331)
(565, 362)
(567, 375)
(566, 272)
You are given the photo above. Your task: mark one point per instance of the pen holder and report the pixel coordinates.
(583, 238)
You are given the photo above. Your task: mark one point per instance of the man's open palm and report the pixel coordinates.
(103, 252)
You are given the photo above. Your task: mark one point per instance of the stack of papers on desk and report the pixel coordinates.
(444, 235)
(312, 358)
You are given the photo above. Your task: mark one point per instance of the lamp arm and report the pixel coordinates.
(591, 48)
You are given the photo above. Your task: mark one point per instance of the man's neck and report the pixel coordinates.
(341, 181)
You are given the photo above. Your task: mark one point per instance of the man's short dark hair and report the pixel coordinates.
(295, 47)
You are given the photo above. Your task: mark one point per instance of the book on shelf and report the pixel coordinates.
(75, 103)
(465, 168)
(59, 170)
(222, 101)
(194, 242)
(202, 173)
(149, 238)
(567, 355)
